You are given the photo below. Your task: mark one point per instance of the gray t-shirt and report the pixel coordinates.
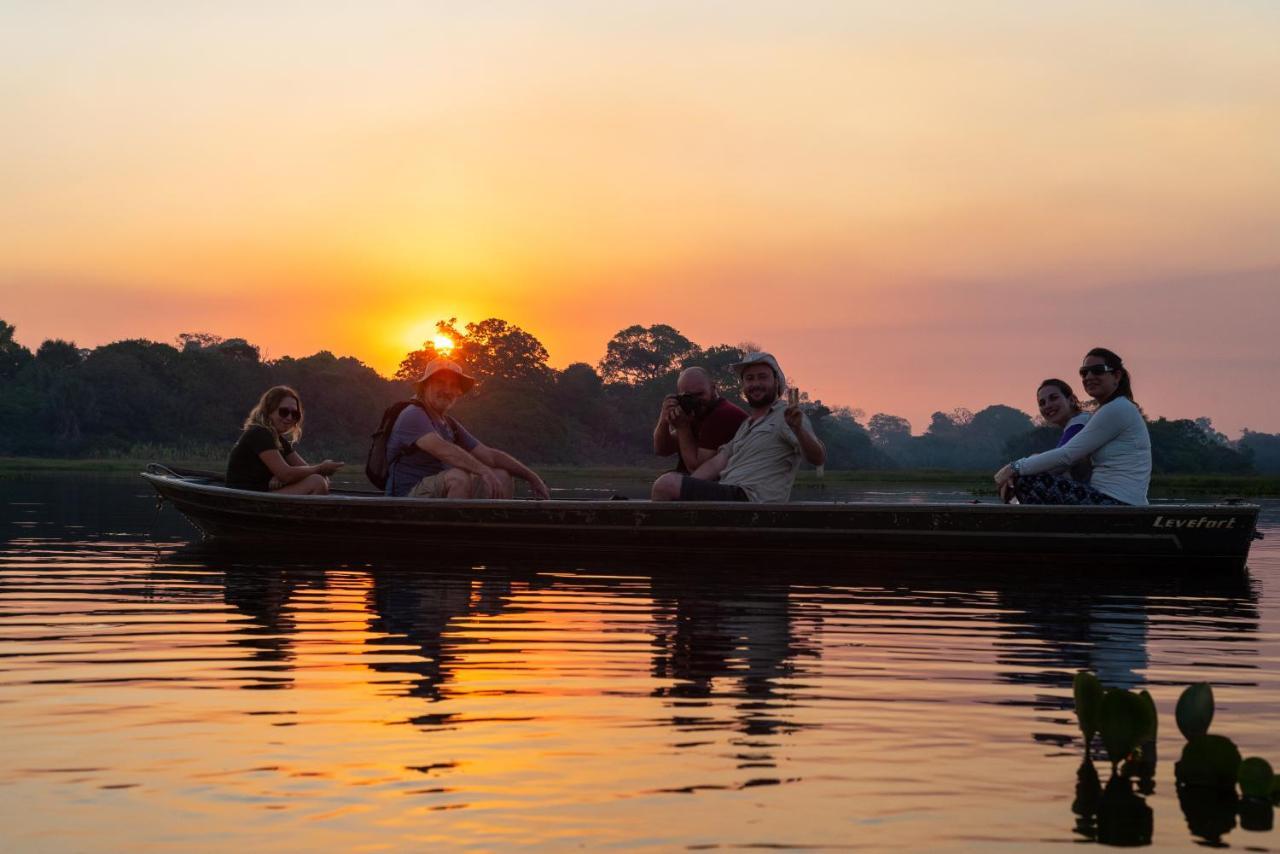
(408, 463)
(764, 456)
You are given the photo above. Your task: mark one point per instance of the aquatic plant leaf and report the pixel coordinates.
(1209, 760)
(1088, 694)
(1195, 710)
(1122, 718)
(1152, 718)
(1255, 777)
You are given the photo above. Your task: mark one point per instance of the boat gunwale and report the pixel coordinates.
(186, 483)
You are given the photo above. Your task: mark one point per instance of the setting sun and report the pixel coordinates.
(442, 343)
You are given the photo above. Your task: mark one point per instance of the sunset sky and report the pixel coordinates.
(916, 206)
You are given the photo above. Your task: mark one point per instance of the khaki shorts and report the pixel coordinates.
(434, 486)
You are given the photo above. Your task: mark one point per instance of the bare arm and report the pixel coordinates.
(690, 453)
(664, 443)
(712, 468)
(459, 458)
(811, 446)
(295, 468)
(494, 458)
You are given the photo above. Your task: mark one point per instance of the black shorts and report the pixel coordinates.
(693, 489)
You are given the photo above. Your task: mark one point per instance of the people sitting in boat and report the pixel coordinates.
(1115, 439)
(761, 460)
(264, 458)
(695, 421)
(431, 455)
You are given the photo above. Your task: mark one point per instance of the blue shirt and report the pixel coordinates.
(409, 463)
(1074, 426)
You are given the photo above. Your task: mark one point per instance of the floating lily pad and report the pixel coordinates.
(1195, 710)
(1209, 760)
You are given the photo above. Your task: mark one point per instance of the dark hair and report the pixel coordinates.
(1060, 385)
(1064, 387)
(1113, 361)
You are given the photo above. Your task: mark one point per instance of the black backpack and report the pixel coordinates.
(377, 467)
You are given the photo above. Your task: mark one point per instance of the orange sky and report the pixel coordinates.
(917, 208)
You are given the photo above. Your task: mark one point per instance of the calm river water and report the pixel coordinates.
(158, 697)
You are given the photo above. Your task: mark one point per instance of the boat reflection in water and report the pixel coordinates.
(715, 638)
(745, 657)
(268, 634)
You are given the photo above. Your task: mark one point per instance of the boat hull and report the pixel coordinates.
(1200, 537)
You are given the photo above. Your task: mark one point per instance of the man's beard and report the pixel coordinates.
(764, 399)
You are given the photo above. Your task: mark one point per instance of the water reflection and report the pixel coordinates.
(1056, 628)
(263, 595)
(736, 639)
(412, 611)
(619, 698)
(1117, 815)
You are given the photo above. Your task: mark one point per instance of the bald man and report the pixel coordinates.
(695, 421)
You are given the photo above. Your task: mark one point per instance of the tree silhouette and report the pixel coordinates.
(146, 398)
(490, 349)
(639, 354)
(12, 354)
(889, 431)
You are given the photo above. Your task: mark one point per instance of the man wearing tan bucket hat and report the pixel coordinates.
(431, 455)
(761, 460)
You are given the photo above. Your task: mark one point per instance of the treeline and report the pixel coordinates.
(189, 398)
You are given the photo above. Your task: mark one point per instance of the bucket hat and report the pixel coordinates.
(761, 359)
(435, 366)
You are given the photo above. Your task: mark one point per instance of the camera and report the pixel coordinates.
(689, 403)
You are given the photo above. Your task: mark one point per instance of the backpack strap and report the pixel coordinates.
(391, 426)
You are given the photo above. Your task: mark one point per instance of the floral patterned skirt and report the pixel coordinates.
(1058, 489)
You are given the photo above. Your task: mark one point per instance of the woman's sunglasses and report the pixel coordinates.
(1096, 370)
(291, 414)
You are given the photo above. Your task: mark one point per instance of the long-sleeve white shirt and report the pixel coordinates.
(1117, 441)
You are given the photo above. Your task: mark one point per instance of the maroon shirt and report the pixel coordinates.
(714, 429)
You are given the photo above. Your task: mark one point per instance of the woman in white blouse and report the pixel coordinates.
(1115, 440)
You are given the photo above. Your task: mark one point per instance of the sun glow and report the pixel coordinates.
(443, 344)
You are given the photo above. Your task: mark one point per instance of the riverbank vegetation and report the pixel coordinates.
(184, 402)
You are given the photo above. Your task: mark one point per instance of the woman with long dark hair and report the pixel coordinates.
(1115, 439)
(263, 458)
